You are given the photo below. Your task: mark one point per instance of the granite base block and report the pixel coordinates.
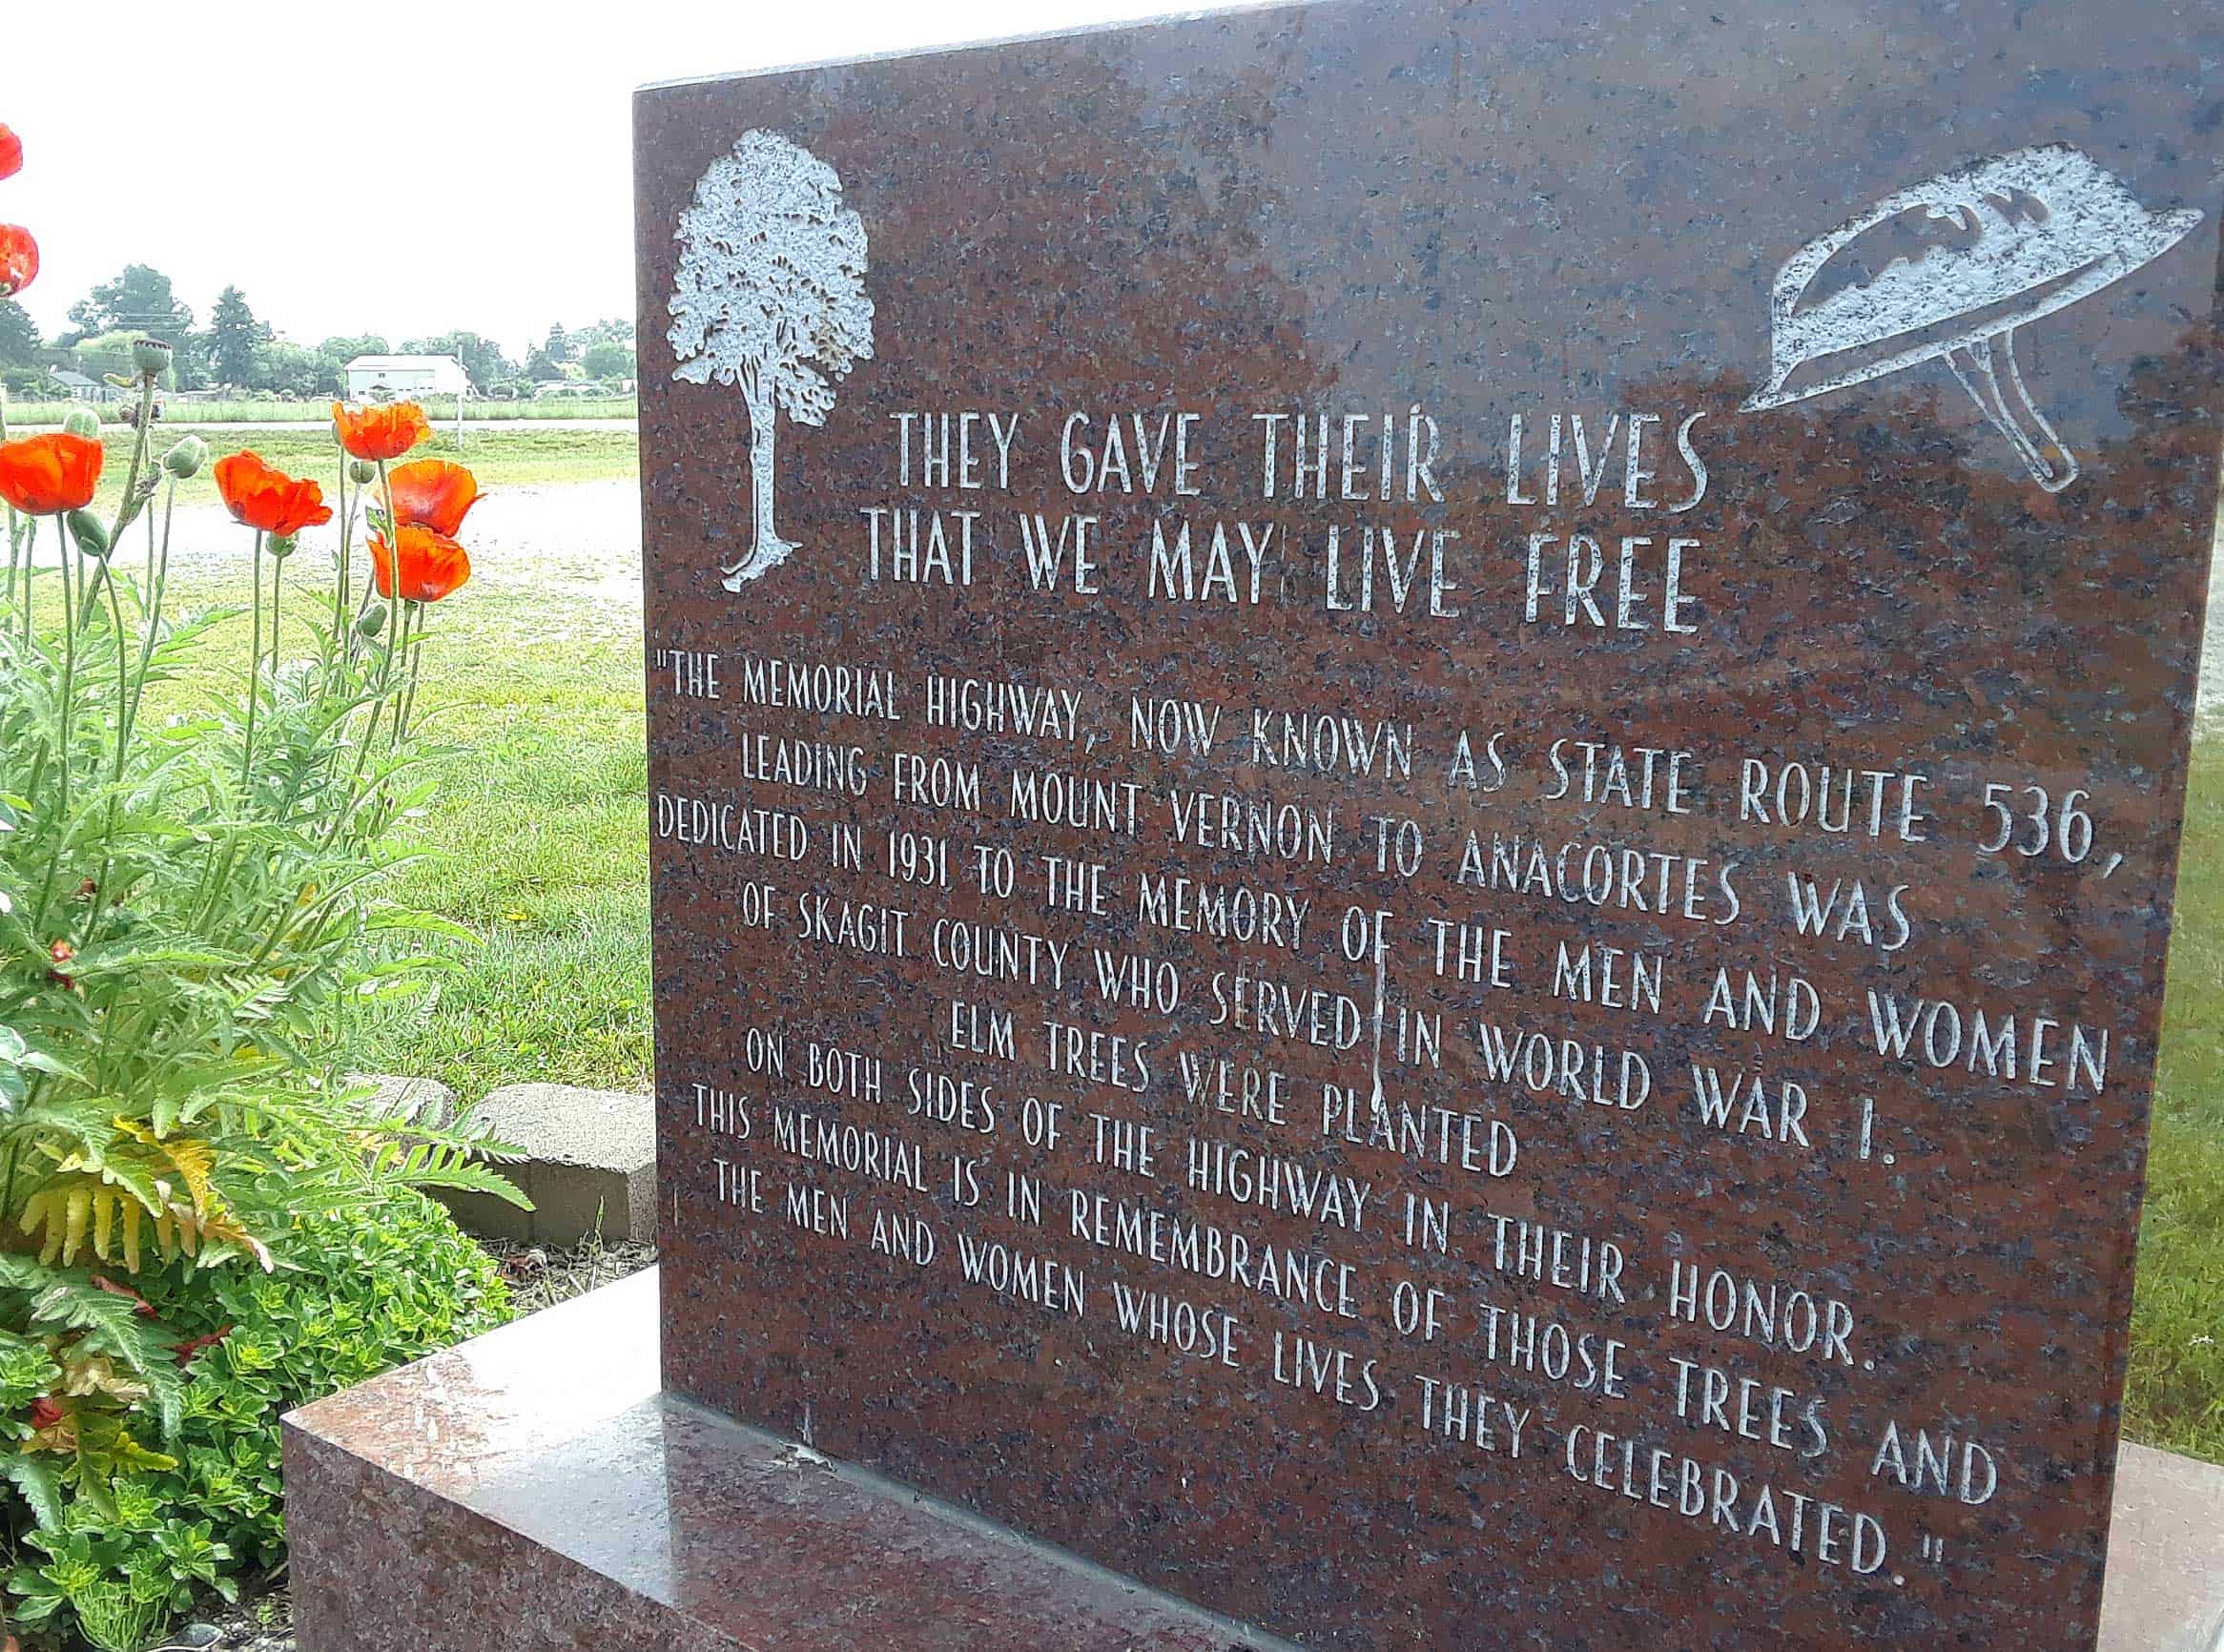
(535, 1491)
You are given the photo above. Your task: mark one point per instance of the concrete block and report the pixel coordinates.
(589, 1165)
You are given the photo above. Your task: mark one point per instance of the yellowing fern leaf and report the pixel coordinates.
(194, 1159)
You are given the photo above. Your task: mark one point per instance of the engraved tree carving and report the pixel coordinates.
(770, 299)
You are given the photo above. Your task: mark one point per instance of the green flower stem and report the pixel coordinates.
(11, 534)
(129, 506)
(254, 673)
(394, 562)
(65, 756)
(153, 611)
(123, 660)
(415, 661)
(344, 576)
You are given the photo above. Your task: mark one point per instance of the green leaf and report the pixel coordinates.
(112, 1324)
(40, 1484)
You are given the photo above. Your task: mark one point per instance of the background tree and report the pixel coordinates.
(236, 337)
(289, 369)
(546, 360)
(608, 360)
(345, 348)
(19, 339)
(106, 353)
(612, 330)
(139, 299)
(21, 371)
(770, 299)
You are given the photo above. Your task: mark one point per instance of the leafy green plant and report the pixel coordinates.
(194, 906)
(373, 1286)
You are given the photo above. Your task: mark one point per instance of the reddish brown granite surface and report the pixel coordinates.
(1483, 211)
(533, 1491)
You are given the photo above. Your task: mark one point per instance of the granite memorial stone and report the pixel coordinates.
(1415, 775)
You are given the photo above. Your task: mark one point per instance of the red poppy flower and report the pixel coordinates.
(377, 432)
(433, 493)
(19, 260)
(269, 500)
(432, 565)
(10, 152)
(47, 475)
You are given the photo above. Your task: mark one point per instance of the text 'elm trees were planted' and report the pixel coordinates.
(770, 299)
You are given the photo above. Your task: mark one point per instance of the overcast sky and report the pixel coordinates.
(399, 169)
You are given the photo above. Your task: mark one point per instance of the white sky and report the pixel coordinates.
(401, 168)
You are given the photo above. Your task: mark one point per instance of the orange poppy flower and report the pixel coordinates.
(380, 431)
(47, 475)
(432, 565)
(11, 153)
(433, 493)
(267, 500)
(19, 260)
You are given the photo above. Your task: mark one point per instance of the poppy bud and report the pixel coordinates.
(86, 529)
(82, 422)
(373, 622)
(283, 544)
(185, 459)
(361, 472)
(150, 357)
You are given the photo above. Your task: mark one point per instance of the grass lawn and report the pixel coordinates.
(539, 833)
(2177, 1329)
(539, 843)
(500, 458)
(37, 413)
(542, 844)
(542, 830)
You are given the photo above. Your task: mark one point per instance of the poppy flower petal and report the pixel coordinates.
(433, 493)
(19, 260)
(47, 475)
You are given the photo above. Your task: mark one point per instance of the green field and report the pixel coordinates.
(2177, 1331)
(499, 458)
(186, 415)
(541, 837)
(540, 827)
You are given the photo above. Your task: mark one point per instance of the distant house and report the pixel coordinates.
(384, 378)
(79, 388)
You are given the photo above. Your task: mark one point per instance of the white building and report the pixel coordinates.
(400, 378)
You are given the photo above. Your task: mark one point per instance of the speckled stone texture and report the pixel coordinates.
(532, 1491)
(1484, 211)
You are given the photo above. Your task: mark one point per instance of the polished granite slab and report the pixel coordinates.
(1679, 536)
(535, 1490)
